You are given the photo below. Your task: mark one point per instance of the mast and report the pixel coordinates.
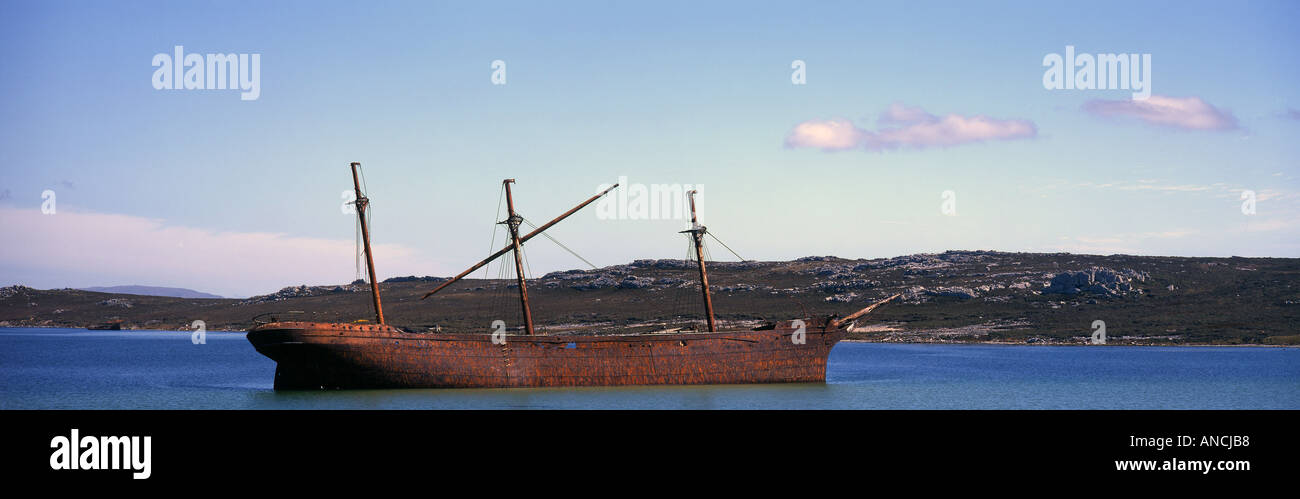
(522, 240)
(697, 232)
(513, 222)
(362, 202)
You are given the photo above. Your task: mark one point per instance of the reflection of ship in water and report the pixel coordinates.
(312, 355)
(110, 325)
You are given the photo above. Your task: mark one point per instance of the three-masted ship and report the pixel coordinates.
(314, 355)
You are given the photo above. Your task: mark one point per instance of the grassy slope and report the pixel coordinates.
(1214, 300)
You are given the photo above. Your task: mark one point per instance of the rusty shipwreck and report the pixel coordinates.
(314, 355)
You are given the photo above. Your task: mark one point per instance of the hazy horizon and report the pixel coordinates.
(861, 130)
(476, 276)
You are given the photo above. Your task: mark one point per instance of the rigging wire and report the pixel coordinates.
(365, 189)
(685, 297)
(492, 243)
(371, 228)
(527, 268)
(499, 290)
(724, 245)
(557, 242)
(359, 247)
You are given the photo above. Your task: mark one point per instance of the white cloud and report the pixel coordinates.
(1191, 113)
(1272, 224)
(906, 127)
(830, 135)
(1111, 244)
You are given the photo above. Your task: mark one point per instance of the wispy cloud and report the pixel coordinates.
(1189, 113)
(1292, 113)
(906, 127)
(1279, 223)
(123, 249)
(1125, 243)
(1149, 185)
(1219, 190)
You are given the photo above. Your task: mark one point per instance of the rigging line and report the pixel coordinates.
(557, 242)
(495, 292)
(685, 294)
(499, 290)
(369, 278)
(724, 245)
(358, 247)
(492, 244)
(361, 171)
(528, 269)
(508, 297)
(356, 238)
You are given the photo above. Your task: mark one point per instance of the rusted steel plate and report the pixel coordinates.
(322, 355)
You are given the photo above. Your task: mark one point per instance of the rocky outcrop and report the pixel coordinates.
(914, 295)
(301, 292)
(953, 291)
(842, 286)
(17, 289)
(412, 278)
(1096, 280)
(634, 282)
(742, 287)
(921, 294)
(600, 282)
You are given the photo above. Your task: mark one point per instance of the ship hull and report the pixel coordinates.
(341, 356)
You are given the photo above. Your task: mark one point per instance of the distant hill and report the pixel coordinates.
(151, 291)
(954, 296)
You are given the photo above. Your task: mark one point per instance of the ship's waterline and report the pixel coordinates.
(45, 368)
(319, 355)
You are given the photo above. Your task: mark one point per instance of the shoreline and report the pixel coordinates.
(983, 297)
(1006, 343)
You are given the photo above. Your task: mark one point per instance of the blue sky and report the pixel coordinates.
(199, 189)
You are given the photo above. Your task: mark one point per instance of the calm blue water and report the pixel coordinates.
(79, 369)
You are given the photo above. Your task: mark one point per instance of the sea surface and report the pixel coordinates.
(42, 368)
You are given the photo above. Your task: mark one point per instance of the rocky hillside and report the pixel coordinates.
(952, 296)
